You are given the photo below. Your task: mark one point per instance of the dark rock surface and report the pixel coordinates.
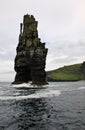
(31, 54)
(83, 68)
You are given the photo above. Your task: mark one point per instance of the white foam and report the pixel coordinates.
(43, 94)
(20, 85)
(25, 85)
(80, 88)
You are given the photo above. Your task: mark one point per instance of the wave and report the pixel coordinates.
(80, 88)
(28, 85)
(43, 94)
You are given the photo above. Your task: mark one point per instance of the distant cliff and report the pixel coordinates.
(74, 72)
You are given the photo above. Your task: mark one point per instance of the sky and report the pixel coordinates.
(61, 25)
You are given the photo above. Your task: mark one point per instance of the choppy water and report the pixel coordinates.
(60, 106)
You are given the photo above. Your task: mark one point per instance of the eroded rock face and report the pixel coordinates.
(31, 54)
(83, 68)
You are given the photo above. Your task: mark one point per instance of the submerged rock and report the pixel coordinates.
(31, 54)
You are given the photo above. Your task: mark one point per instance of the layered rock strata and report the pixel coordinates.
(31, 54)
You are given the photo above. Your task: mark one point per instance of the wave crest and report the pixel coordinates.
(43, 94)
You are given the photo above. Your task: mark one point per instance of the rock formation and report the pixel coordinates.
(83, 68)
(31, 54)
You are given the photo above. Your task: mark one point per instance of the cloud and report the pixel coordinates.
(6, 66)
(65, 53)
(6, 70)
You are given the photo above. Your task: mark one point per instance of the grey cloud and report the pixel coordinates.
(65, 53)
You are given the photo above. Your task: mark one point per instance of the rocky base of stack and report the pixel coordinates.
(37, 63)
(36, 71)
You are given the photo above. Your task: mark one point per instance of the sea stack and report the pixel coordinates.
(31, 54)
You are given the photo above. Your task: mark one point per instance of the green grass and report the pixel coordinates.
(72, 72)
(65, 76)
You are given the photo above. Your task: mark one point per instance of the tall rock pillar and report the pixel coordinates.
(31, 54)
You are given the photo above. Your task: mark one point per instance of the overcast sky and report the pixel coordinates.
(61, 24)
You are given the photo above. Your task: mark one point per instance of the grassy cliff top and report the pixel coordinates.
(66, 73)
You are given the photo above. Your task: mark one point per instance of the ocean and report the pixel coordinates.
(57, 106)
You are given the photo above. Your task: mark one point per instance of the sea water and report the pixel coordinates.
(57, 106)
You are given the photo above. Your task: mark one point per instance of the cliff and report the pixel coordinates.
(31, 54)
(74, 72)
